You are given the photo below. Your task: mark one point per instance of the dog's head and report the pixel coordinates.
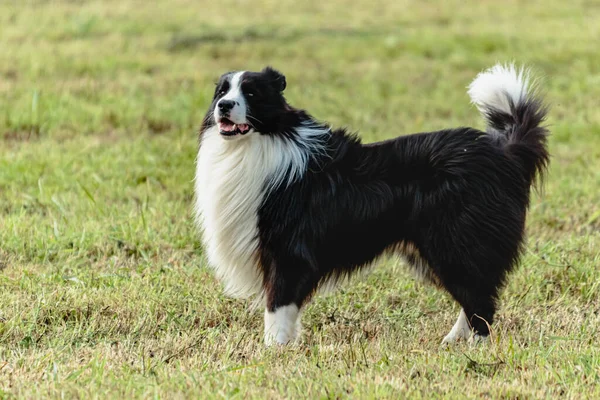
(247, 102)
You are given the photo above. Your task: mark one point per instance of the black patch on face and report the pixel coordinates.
(264, 99)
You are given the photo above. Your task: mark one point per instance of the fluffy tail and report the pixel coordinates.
(507, 99)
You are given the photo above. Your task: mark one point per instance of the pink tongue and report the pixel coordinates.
(243, 127)
(227, 127)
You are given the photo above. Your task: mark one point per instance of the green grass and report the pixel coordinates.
(103, 288)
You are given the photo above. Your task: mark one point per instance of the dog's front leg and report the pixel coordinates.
(287, 287)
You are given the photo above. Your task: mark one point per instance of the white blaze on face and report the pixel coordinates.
(237, 115)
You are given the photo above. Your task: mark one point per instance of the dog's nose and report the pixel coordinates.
(226, 105)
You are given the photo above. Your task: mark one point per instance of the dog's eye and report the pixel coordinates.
(223, 89)
(250, 94)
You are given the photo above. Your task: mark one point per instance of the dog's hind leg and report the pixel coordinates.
(477, 314)
(474, 280)
(476, 293)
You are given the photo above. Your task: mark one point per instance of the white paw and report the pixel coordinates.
(282, 326)
(452, 338)
(460, 331)
(279, 339)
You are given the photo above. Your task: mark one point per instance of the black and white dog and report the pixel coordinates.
(287, 204)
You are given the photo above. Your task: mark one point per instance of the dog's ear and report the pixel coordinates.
(276, 78)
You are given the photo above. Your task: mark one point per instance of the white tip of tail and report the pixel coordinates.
(493, 88)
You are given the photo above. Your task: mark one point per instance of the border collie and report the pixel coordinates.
(287, 204)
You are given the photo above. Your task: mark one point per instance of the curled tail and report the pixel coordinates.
(513, 112)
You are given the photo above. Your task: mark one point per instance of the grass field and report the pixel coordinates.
(103, 287)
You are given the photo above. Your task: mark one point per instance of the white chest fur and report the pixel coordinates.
(229, 181)
(232, 178)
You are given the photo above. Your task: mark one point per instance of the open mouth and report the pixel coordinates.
(228, 128)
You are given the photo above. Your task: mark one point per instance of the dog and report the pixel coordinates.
(287, 204)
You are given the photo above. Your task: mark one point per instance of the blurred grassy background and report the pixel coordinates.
(103, 289)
